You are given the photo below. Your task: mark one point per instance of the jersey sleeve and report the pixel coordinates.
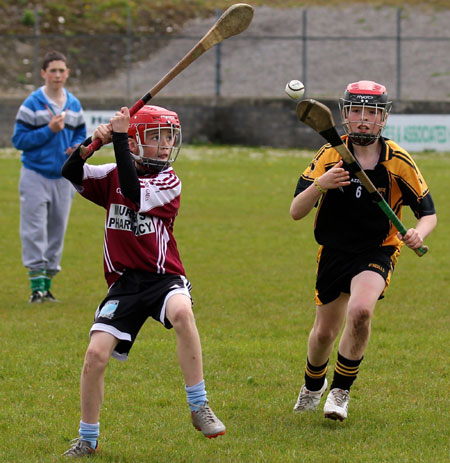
(96, 183)
(412, 186)
(324, 160)
(160, 194)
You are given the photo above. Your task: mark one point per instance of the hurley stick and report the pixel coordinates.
(232, 22)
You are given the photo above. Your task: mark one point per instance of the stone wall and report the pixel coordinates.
(243, 121)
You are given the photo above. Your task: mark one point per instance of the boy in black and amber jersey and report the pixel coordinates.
(358, 244)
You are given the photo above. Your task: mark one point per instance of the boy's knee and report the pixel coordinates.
(325, 335)
(181, 312)
(95, 359)
(360, 315)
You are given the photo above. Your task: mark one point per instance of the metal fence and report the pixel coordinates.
(407, 63)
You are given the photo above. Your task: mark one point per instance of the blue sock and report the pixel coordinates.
(196, 395)
(89, 432)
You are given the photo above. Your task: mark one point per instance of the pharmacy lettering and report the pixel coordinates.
(121, 217)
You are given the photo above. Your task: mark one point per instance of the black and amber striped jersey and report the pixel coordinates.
(347, 218)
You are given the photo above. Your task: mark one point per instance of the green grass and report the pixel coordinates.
(252, 270)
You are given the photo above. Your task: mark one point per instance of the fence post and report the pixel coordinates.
(36, 49)
(218, 61)
(128, 53)
(399, 53)
(304, 49)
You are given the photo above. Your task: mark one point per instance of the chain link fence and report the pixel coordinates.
(404, 49)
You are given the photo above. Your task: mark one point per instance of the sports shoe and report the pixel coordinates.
(205, 421)
(309, 400)
(336, 404)
(37, 297)
(48, 296)
(80, 448)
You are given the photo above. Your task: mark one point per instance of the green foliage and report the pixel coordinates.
(109, 16)
(252, 270)
(28, 18)
(21, 78)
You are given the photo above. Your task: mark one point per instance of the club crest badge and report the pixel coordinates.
(382, 191)
(108, 310)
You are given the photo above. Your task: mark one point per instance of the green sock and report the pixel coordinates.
(47, 281)
(37, 280)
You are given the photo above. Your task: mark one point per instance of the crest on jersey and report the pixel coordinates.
(382, 191)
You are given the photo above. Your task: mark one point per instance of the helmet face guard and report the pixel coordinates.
(154, 119)
(365, 95)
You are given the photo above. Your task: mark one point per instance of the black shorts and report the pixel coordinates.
(336, 269)
(134, 297)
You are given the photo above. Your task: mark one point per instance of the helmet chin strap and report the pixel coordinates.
(151, 168)
(363, 140)
(140, 154)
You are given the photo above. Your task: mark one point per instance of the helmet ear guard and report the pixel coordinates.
(154, 118)
(365, 94)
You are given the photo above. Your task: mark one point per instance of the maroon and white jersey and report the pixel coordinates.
(137, 239)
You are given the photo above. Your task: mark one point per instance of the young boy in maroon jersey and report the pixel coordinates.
(145, 276)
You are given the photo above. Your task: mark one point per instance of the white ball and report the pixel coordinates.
(295, 89)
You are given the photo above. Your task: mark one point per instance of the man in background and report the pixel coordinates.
(49, 124)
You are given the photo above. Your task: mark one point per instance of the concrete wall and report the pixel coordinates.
(252, 122)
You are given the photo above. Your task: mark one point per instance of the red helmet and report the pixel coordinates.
(154, 118)
(365, 94)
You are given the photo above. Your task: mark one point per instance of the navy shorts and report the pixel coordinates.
(336, 269)
(134, 297)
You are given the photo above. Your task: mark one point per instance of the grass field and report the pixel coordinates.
(252, 270)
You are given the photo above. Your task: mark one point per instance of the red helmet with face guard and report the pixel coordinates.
(154, 119)
(365, 94)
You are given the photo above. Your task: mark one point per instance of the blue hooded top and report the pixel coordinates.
(43, 150)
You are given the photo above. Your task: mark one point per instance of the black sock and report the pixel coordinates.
(315, 376)
(345, 372)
